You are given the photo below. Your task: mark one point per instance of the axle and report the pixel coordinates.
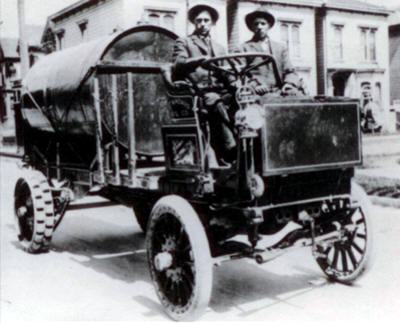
(298, 238)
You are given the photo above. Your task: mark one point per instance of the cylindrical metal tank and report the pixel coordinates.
(58, 92)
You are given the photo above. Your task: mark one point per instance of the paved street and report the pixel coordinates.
(97, 270)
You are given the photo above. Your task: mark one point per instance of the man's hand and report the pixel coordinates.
(211, 98)
(261, 89)
(193, 63)
(289, 89)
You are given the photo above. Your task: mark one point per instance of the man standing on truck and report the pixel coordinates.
(260, 21)
(188, 55)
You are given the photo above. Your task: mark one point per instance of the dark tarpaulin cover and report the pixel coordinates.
(61, 84)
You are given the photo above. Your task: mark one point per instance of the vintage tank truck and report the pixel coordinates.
(105, 118)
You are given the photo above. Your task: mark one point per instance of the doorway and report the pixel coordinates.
(339, 80)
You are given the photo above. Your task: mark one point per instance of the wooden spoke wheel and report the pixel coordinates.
(34, 212)
(346, 259)
(179, 258)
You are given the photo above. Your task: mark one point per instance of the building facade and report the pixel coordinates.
(357, 62)
(394, 61)
(90, 19)
(9, 74)
(294, 26)
(394, 52)
(338, 47)
(10, 67)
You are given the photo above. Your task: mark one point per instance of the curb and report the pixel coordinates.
(10, 154)
(377, 180)
(385, 201)
(369, 183)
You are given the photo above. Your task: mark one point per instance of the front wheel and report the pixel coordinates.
(350, 257)
(179, 258)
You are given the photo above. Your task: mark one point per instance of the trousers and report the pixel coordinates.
(221, 129)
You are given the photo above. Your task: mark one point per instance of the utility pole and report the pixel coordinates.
(23, 44)
(187, 20)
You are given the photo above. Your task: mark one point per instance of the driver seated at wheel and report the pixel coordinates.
(264, 78)
(188, 55)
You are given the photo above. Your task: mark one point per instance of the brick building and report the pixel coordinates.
(339, 47)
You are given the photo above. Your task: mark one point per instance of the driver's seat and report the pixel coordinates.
(180, 95)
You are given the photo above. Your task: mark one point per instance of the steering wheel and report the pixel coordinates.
(239, 65)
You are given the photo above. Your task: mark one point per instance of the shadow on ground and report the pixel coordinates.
(112, 249)
(118, 251)
(240, 283)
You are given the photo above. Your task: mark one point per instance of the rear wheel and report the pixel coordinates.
(179, 258)
(34, 212)
(345, 260)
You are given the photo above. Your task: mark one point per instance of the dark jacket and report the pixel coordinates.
(190, 47)
(264, 74)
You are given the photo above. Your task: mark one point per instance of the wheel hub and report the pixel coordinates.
(163, 261)
(21, 212)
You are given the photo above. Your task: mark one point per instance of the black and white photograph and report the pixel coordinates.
(200, 160)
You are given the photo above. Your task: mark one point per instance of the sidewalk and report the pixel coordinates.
(9, 151)
(387, 172)
(383, 145)
(382, 180)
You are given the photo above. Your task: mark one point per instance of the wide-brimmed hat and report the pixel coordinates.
(195, 10)
(260, 13)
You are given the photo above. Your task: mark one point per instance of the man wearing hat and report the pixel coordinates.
(188, 55)
(259, 22)
(191, 51)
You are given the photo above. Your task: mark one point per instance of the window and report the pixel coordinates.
(372, 49)
(60, 38)
(160, 17)
(49, 41)
(169, 21)
(338, 42)
(365, 92)
(368, 43)
(82, 24)
(32, 59)
(378, 93)
(154, 19)
(10, 70)
(295, 41)
(285, 34)
(290, 35)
